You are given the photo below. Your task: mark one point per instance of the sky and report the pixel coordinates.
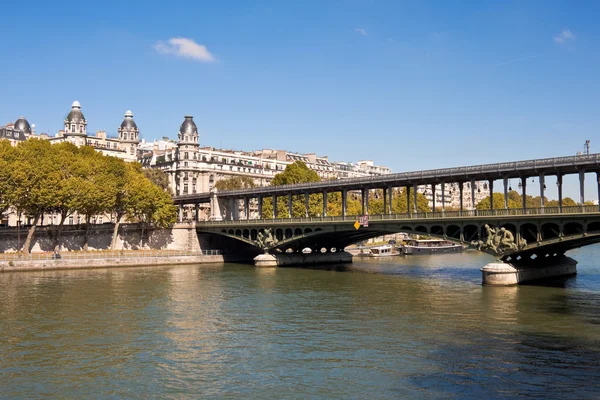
(411, 85)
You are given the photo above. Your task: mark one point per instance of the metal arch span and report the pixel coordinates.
(540, 233)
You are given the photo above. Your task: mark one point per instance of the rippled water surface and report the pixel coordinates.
(400, 327)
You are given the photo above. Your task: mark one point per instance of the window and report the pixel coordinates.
(185, 188)
(185, 155)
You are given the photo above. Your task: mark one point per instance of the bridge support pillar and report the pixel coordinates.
(506, 274)
(292, 259)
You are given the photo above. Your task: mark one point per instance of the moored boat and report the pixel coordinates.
(429, 246)
(382, 251)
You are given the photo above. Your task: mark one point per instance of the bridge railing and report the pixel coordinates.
(586, 209)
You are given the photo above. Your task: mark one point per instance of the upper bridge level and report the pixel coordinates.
(227, 204)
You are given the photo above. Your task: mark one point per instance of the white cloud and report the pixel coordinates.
(565, 36)
(186, 48)
(361, 31)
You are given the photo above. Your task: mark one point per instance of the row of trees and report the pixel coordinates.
(298, 172)
(38, 178)
(515, 200)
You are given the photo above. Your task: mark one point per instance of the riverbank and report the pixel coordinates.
(128, 259)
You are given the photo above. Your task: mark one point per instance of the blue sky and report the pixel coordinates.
(412, 85)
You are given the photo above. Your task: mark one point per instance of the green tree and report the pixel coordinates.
(158, 177)
(7, 158)
(296, 172)
(33, 180)
(498, 202)
(235, 182)
(399, 205)
(148, 204)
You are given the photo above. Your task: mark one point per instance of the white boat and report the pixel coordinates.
(430, 246)
(381, 251)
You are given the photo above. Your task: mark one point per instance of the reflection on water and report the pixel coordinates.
(397, 327)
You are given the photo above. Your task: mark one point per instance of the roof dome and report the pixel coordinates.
(128, 122)
(75, 116)
(188, 127)
(22, 125)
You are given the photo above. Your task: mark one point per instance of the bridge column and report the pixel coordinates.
(505, 181)
(472, 194)
(384, 201)
(433, 196)
(560, 193)
(598, 182)
(344, 198)
(362, 200)
(197, 212)
(247, 208)
(390, 199)
(460, 192)
(290, 205)
(274, 206)
(542, 189)
(215, 207)
(408, 200)
(582, 187)
(260, 207)
(415, 198)
(324, 204)
(524, 187)
(180, 214)
(491, 187)
(306, 195)
(443, 187)
(366, 212)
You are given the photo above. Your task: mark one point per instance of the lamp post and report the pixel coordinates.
(19, 233)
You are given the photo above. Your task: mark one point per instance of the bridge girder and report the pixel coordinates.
(543, 234)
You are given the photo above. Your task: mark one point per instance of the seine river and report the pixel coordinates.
(401, 327)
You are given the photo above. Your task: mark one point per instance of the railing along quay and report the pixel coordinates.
(546, 211)
(107, 255)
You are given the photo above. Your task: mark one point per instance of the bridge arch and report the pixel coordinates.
(550, 230)
(307, 230)
(288, 233)
(593, 227)
(298, 232)
(453, 232)
(572, 228)
(529, 232)
(253, 234)
(437, 230)
(471, 232)
(238, 232)
(421, 229)
(246, 233)
(279, 234)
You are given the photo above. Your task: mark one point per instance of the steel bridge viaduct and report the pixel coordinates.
(529, 243)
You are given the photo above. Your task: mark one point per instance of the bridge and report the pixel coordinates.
(529, 243)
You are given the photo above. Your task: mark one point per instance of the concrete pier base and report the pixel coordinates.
(505, 274)
(280, 260)
(265, 261)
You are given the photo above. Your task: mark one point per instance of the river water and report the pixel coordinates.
(399, 327)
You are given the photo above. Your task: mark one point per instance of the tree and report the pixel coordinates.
(33, 180)
(296, 172)
(235, 182)
(147, 204)
(98, 190)
(498, 202)
(399, 205)
(158, 177)
(70, 164)
(7, 157)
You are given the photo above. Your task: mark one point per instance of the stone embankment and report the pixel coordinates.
(131, 259)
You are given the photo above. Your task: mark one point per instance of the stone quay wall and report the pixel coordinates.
(178, 237)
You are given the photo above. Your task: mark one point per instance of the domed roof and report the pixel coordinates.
(75, 116)
(188, 127)
(22, 125)
(128, 122)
